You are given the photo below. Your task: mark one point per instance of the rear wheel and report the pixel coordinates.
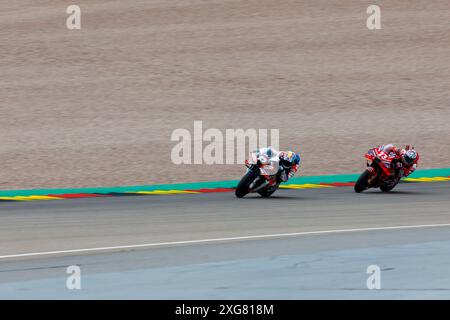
(363, 182)
(387, 187)
(267, 192)
(243, 187)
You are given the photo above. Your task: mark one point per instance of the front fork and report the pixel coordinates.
(373, 173)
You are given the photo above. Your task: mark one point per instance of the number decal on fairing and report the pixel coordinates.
(383, 156)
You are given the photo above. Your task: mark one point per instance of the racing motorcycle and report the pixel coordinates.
(261, 170)
(382, 171)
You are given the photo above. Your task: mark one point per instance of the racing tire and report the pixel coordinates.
(243, 187)
(386, 188)
(266, 193)
(362, 182)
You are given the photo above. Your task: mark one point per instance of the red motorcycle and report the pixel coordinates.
(382, 171)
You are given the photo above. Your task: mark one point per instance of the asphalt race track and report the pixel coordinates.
(300, 244)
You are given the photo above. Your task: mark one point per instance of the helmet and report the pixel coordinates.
(285, 163)
(410, 156)
(296, 159)
(287, 159)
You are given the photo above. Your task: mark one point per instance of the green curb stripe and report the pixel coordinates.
(123, 189)
(423, 173)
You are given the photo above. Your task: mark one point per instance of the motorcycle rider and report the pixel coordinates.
(408, 157)
(289, 162)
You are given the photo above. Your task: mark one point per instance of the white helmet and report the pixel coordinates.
(410, 156)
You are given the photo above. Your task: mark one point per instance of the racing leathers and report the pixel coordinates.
(289, 162)
(408, 158)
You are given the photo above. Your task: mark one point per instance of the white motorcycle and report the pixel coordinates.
(261, 176)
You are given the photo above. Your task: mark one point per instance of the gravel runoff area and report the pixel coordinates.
(97, 106)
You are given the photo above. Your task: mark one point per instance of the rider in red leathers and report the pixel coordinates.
(408, 158)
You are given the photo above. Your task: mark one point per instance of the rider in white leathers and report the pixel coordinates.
(288, 161)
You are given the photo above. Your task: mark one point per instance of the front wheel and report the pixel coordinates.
(244, 185)
(363, 182)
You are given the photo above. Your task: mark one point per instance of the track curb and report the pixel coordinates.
(302, 182)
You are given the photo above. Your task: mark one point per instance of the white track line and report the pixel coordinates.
(254, 237)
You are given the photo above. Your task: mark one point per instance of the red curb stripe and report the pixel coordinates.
(339, 184)
(213, 190)
(78, 195)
